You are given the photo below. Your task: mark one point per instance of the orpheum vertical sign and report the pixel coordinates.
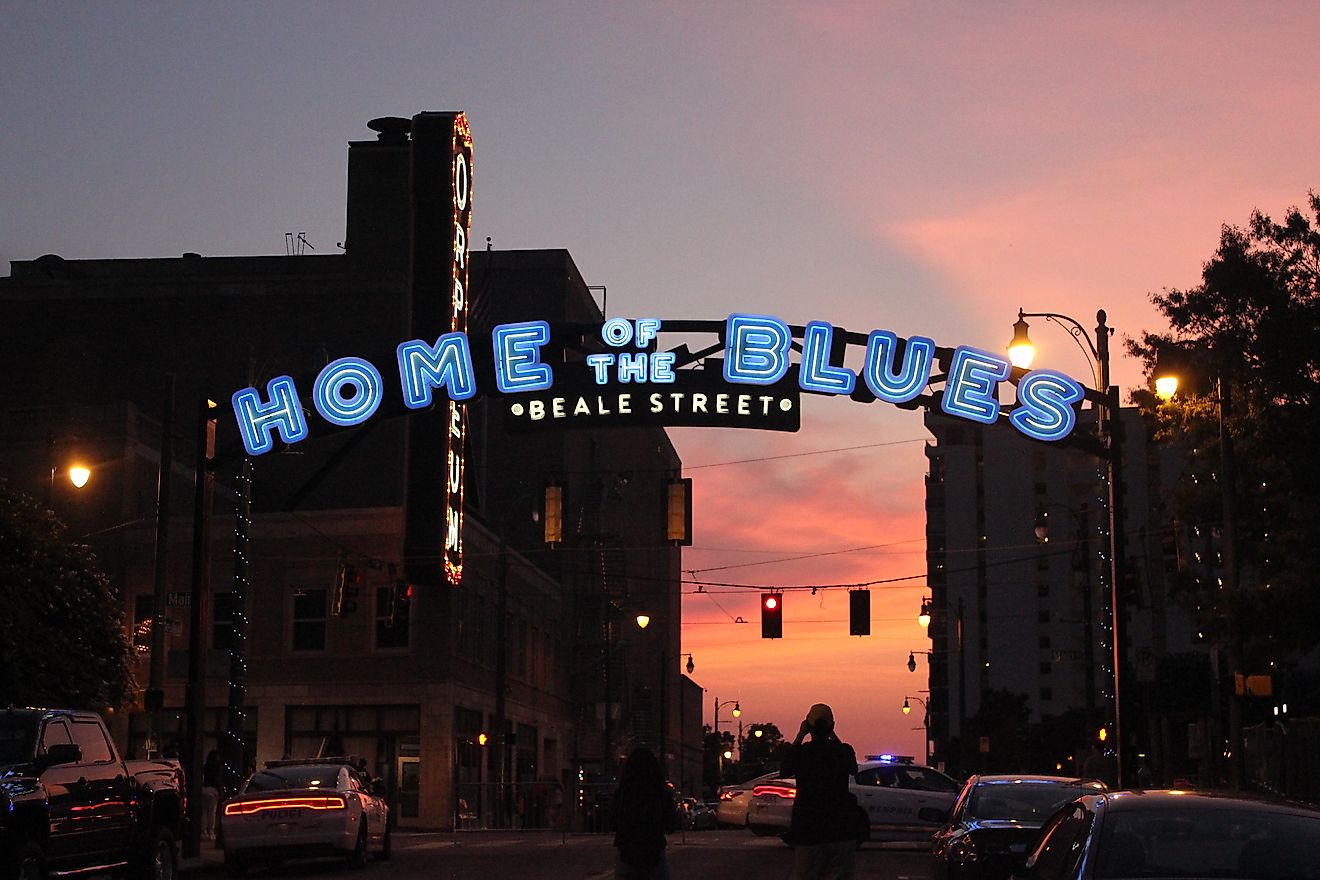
(441, 188)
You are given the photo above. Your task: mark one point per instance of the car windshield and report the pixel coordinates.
(1192, 842)
(1023, 801)
(18, 738)
(306, 776)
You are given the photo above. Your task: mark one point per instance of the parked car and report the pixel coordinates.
(70, 804)
(299, 809)
(1131, 834)
(734, 800)
(694, 815)
(996, 819)
(893, 792)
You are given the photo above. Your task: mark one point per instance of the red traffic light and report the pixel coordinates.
(772, 616)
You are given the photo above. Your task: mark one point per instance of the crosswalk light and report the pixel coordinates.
(772, 615)
(859, 612)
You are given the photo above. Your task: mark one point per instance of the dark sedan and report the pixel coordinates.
(1174, 834)
(994, 822)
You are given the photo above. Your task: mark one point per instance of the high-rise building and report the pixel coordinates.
(1018, 570)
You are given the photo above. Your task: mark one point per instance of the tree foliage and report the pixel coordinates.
(763, 749)
(62, 641)
(1250, 329)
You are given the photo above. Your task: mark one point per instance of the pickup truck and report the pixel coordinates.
(70, 805)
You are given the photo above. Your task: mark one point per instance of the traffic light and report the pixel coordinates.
(859, 612)
(346, 590)
(772, 615)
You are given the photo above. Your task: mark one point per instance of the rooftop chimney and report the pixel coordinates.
(378, 222)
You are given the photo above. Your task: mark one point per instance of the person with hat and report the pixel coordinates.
(822, 830)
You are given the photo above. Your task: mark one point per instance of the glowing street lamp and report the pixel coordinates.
(923, 617)
(643, 621)
(1020, 353)
(79, 475)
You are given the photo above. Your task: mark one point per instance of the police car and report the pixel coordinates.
(891, 789)
(295, 809)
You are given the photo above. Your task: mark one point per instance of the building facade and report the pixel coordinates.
(112, 360)
(1018, 571)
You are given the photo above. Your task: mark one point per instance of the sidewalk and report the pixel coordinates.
(210, 859)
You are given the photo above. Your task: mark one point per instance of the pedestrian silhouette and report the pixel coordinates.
(212, 770)
(643, 815)
(824, 829)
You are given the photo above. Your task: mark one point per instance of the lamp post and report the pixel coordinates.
(1166, 386)
(925, 725)
(1020, 352)
(643, 621)
(737, 713)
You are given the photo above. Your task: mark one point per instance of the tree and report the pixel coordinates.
(763, 749)
(1250, 329)
(62, 640)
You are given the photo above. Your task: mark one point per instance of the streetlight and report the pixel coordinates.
(737, 713)
(1166, 386)
(923, 616)
(925, 725)
(912, 659)
(1105, 397)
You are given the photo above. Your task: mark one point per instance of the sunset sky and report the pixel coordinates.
(921, 167)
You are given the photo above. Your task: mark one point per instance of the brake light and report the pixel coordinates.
(782, 791)
(246, 808)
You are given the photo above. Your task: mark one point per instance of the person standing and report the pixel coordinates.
(211, 773)
(823, 827)
(643, 815)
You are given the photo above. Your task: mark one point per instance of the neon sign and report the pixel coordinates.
(630, 382)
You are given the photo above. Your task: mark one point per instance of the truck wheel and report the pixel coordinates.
(25, 861)
(358, 857)
(160, 860)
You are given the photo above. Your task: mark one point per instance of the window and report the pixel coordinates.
(1046, 695)
(90, 737)
(1042, 588)
(393, 616)
(921, 779)
(309, 616)
(1046, 668)
(1044, 641)
(885, 777)
(1043, 616)
(142, 607)
(56, 733)
(1061, 845)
